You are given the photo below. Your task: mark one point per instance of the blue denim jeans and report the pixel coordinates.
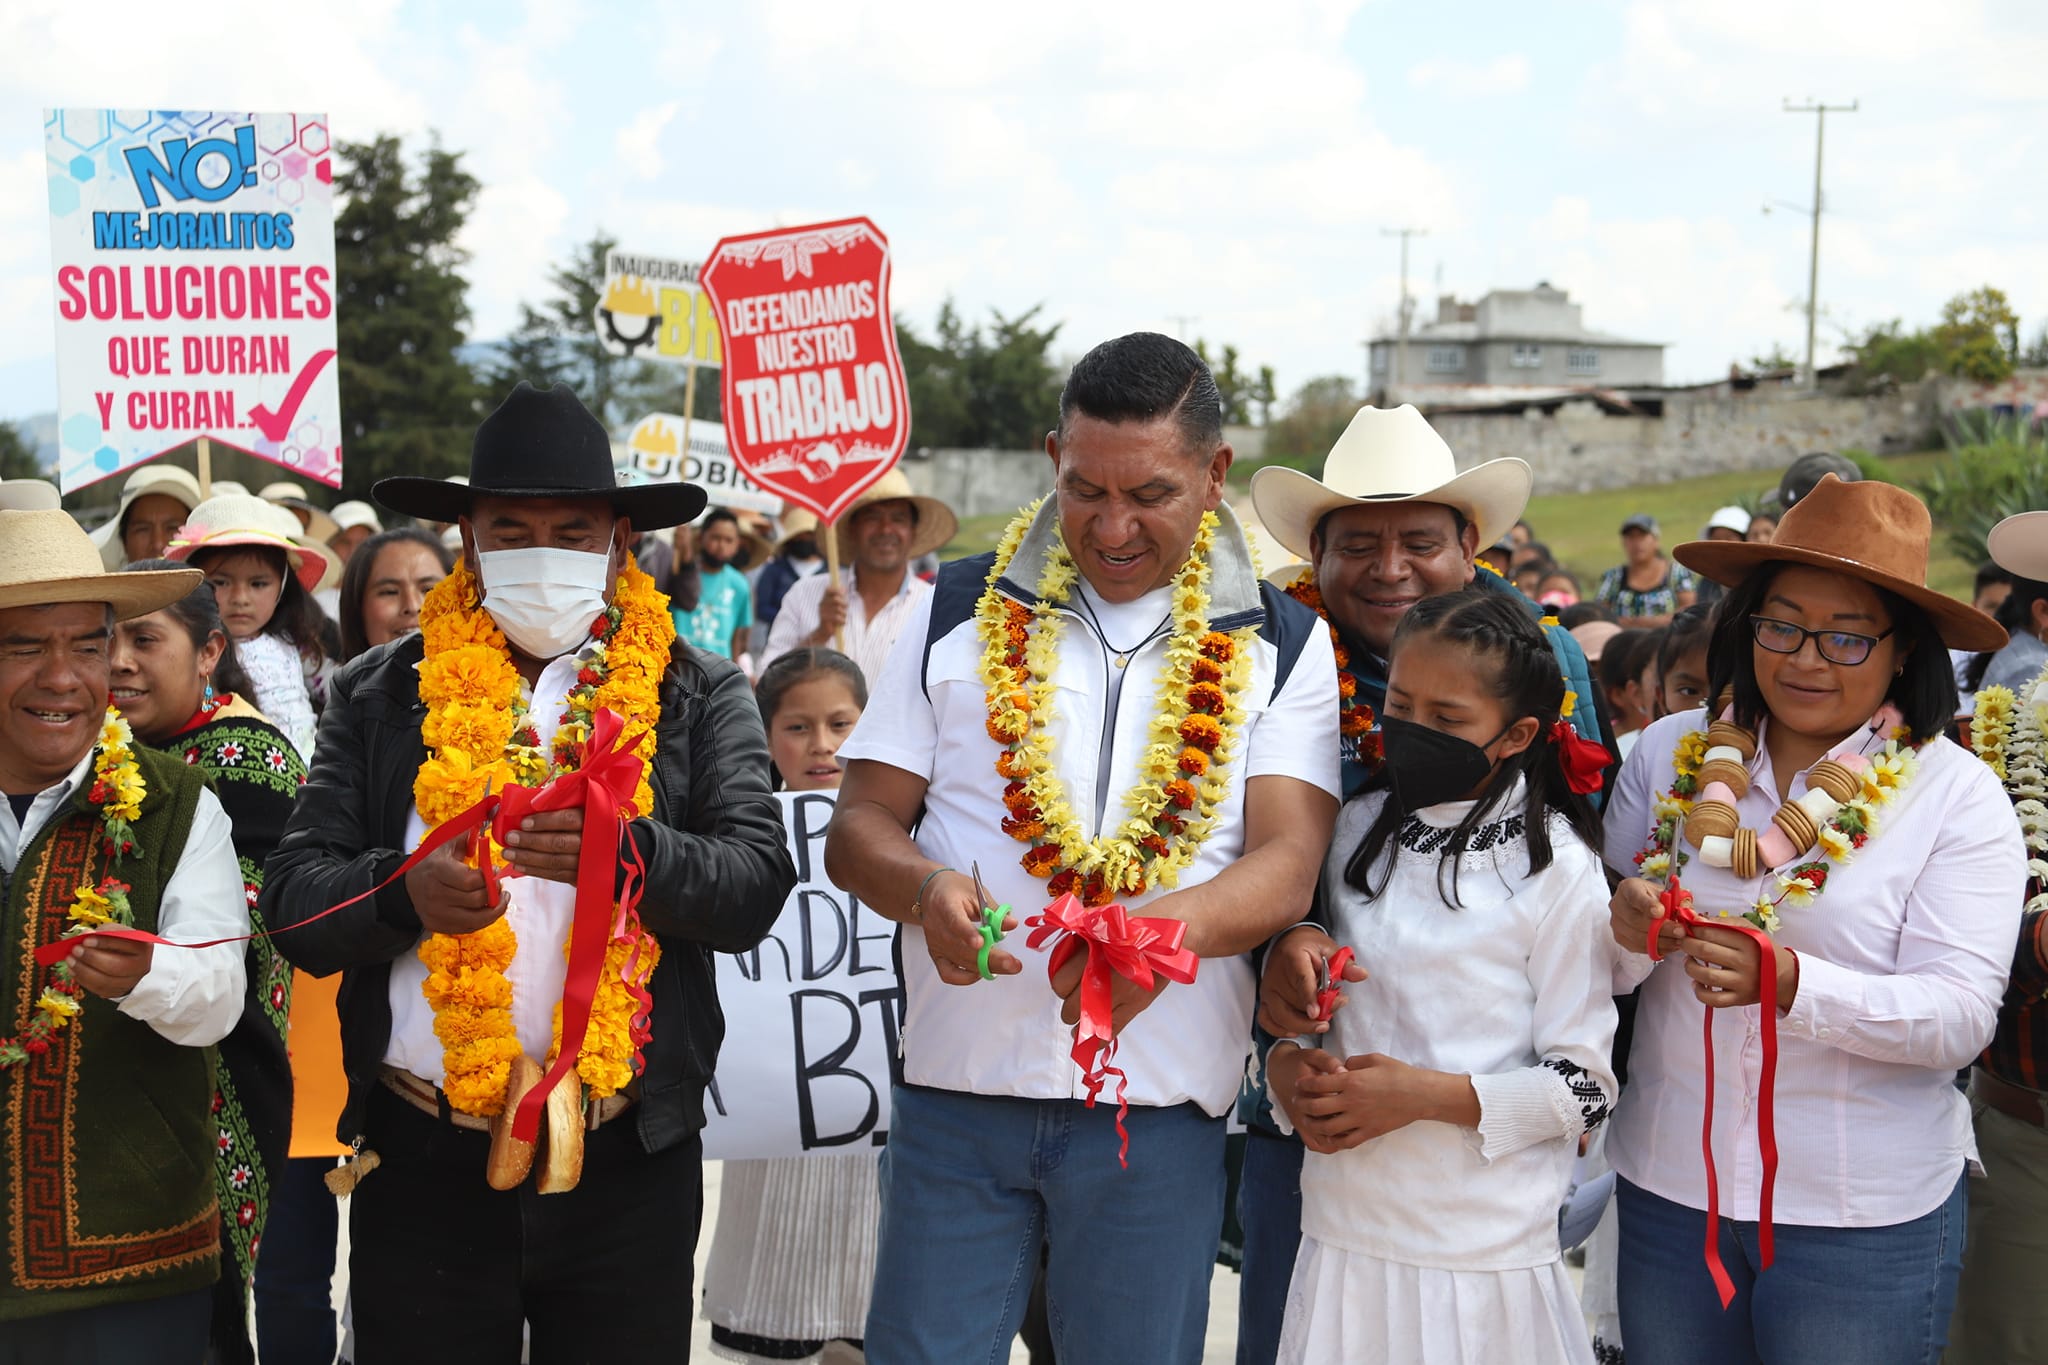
(972, 1183)
(1269, 1211)
(295, 1272)
(1875, 1296)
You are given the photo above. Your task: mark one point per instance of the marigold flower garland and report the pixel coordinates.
(481, 740)
(118, 791)
(1196, 719)
(2011, 734)
(1852, 824)
(1355, 717)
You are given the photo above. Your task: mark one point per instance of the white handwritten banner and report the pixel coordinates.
(811, 1018)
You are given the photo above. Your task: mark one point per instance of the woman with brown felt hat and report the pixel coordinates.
(1825, 816)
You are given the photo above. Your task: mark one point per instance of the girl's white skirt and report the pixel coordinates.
(1349, 1308)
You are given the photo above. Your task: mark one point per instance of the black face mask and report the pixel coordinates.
(1426, 767)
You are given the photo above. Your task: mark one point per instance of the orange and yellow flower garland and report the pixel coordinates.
(1195, 723)
(1355, 717)
(481, 741)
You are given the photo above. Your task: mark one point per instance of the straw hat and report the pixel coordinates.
(45, 558)
(936, 524)
(166, 479)
(29, 495)
(1389, 457)
(318, 524)
(2019, 545)
(241, 519)
(1877, 532)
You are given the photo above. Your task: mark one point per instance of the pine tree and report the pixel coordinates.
(409, 403)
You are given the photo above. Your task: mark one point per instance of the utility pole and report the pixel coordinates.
(1181, 322)
(1821, 111)
(1407, 304)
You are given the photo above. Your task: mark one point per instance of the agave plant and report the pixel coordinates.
(1998, 465)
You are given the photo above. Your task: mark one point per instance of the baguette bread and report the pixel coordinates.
(563, 1165)
(511, 1159)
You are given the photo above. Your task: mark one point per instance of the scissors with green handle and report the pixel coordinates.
(992, 916)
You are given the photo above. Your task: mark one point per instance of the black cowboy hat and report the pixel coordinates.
(542, 443)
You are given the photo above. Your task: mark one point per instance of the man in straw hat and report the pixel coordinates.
(1122, 609)
(876, 593)
(106, 1082)
(1390, 523)
(450, 988)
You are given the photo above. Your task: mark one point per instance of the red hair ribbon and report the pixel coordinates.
(1138, 948)
(1583, 760)
(1676, 905)
(604, 787)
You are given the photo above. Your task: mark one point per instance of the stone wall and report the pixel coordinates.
(977, 483)
(1706, 431)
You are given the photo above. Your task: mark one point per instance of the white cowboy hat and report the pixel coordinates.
(1389, 457)
(46, 558)
(29, 495)
(229, 519)
(286, 493)
(167, 479)
(2019, 545)
(351, 514)
(936, 524)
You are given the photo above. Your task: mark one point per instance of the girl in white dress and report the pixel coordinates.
(1446, 1102)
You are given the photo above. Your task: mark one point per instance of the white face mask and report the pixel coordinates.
(544, 600)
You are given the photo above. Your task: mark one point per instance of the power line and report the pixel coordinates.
(1407, 304)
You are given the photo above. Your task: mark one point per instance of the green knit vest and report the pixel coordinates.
(106, 1140)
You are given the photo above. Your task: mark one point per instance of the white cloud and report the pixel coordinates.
(1504, 75)
(638, 143)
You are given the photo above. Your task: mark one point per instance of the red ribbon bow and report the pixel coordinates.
(1136, 947)
(1582, 759)
(604, 786)
(1676, 903)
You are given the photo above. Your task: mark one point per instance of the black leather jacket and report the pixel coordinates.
(718, 869)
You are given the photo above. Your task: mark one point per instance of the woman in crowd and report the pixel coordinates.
(155, 501)
(383, 584)
(792, 1261)
(1645, 590)
(263, 573)
(2024, 613)
(1889, 880)
(176, 680)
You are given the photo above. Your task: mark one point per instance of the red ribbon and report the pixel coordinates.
(1136, 947)
(1583, 760)
(1676, 905)
(604, 786)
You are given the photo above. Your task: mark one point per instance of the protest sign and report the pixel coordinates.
(192, 255)
(811, 1018)
(814, 399)
(655, 454)
(652, 309)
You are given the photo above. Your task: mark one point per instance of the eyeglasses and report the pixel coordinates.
(1844, 647)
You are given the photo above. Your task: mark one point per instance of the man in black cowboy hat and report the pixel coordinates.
(443, 1265)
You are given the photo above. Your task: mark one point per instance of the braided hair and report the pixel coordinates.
(1513, 661)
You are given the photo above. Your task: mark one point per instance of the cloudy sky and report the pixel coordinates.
(1223, 170)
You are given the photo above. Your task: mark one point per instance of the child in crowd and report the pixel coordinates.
(1682, 660)
(1628, 677)
(263, 572)
(1466, 1067)
(792, 1259)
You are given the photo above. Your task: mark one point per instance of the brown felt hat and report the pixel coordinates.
(1877, 532)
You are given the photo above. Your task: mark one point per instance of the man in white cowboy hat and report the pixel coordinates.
(155, 501)
(106, 1084)
(454, 1246)
(1390, 523)
(1133, 614)
(886, 527)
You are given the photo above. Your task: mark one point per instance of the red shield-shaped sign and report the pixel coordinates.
(815, 405)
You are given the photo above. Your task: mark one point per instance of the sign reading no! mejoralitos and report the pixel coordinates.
(192, 255)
